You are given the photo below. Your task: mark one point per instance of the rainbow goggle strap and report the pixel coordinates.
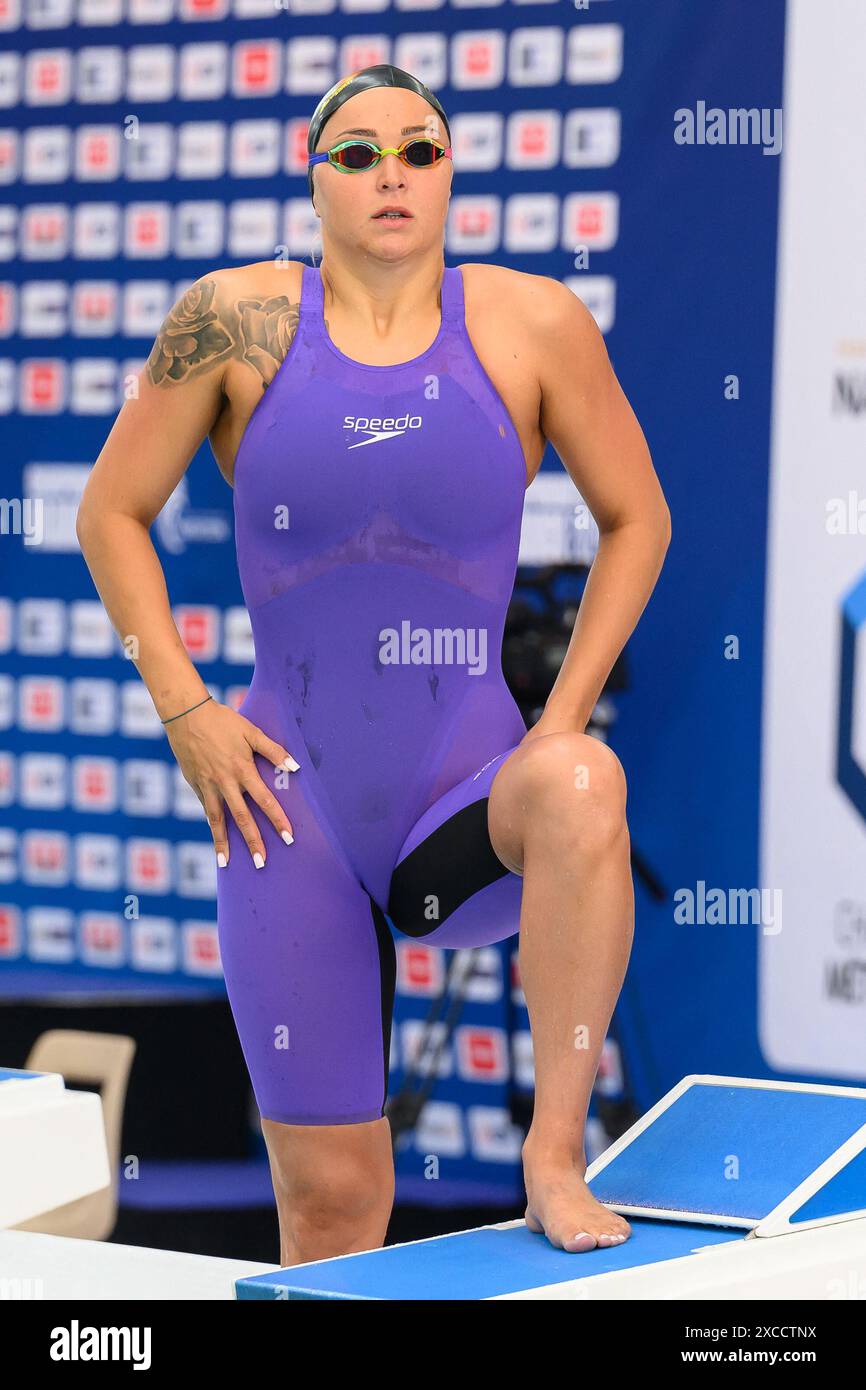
(353, 156)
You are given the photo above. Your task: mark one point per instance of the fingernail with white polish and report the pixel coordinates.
(288, 837)
(221, 860)
(291, 764)
(258, 861)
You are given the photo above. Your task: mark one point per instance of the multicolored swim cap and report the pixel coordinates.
(379, 75)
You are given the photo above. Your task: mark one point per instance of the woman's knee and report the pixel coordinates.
(332, 1185)
(345, 1201)
(572, 784)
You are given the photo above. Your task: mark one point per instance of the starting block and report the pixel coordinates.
(733, 1188)
(52, 1144)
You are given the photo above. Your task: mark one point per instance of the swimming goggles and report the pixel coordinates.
(353, 156)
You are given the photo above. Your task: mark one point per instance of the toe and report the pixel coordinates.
(533, 1222)
(577, 1244)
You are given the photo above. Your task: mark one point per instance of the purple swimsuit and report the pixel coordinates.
(377, 521)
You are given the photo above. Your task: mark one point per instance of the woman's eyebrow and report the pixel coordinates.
(356, 130)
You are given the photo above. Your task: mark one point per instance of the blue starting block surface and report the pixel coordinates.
(717, 1154)
(477, 1264)
(731, 1152)
(846, 1192)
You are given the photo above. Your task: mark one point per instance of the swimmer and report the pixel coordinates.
(379, 418)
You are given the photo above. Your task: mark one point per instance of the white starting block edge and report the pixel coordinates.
(52, 1145)
(34, 1265)
(28, 1089)
(776, 1222)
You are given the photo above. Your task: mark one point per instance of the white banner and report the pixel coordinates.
(812, 964)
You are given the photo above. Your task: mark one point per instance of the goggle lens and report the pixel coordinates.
(357, 157)
(422, 152)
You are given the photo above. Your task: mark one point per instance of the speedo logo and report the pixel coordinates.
(376, 429)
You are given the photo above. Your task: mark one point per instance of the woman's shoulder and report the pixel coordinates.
(494, 291)
(260, 280)
(504, 286)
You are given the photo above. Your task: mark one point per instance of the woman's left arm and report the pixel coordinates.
(589, 422)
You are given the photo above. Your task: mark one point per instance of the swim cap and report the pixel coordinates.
(379, 75)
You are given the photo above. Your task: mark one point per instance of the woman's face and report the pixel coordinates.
(348, 203)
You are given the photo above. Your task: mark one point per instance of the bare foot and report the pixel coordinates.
(561, 1206)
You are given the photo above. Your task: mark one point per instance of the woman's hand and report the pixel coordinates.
(214, 746)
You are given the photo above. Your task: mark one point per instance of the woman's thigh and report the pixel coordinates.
(449, 886)
(308, 961)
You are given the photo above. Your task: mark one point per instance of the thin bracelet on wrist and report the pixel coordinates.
(186, 711)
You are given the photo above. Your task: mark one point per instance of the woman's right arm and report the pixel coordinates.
(177, 399)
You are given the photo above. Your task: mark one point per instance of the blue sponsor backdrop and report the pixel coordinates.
(143, 142)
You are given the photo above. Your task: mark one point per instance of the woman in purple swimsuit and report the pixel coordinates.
(378, 767)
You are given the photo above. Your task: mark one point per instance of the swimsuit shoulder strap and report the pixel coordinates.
(312, 294)
(453, 311)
